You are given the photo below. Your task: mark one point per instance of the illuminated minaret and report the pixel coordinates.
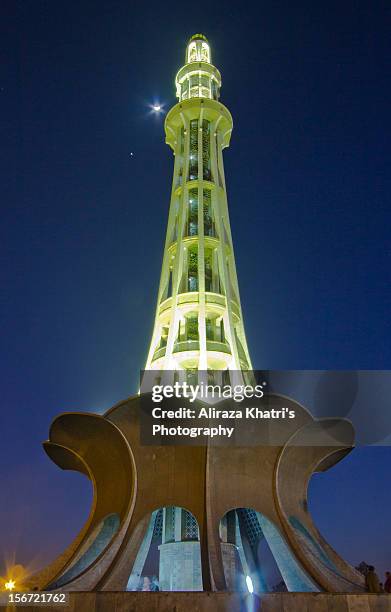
(199, 322)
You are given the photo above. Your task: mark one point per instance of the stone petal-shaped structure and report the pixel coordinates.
(267, 468)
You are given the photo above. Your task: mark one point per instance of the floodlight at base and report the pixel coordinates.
(10, 585)
(249, 584)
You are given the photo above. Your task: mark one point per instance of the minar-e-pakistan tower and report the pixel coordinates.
(198, 322)
(204, 516)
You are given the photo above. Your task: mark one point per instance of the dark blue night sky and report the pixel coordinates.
(83, 223)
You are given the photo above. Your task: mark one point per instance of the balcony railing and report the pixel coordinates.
(186, 345)
(215, 298)
(190, 296)
(165, 305)
(221, 347)
(160, 352)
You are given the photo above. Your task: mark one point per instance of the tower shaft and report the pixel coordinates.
(199, 321)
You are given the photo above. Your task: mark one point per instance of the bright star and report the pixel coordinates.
(157, 108)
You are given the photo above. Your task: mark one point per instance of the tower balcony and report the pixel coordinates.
(186, 345)
(208, 184)
(214, 301)
(210, 241)
(159, 353)
(191, 183)
(191, 109)
(194, 345)
(190, 297)
(219, 347)
(187, 352)
(198, 79)
(165, 306)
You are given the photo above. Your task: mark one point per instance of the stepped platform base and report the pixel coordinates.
(220, 602)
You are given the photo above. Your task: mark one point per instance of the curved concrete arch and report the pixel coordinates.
(166, 476)
(94, 446)
(331, 439)
(246, 542)
(167, 539)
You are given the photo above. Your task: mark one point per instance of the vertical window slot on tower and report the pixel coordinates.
(208, 271)
(169, 284)
(192, 275)
(206, 150)
(192, 224)
(209, 226)
(193, 156)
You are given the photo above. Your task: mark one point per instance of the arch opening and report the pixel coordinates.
(91, 549)
(169, 558)
(255, 553)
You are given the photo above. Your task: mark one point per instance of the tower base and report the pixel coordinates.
(180, 567)
(132, 481)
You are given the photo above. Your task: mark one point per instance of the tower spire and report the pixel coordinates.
(198, 322)
(198, 49)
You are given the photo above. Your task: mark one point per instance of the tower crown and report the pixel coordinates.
(198, 78)
(198, 49)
